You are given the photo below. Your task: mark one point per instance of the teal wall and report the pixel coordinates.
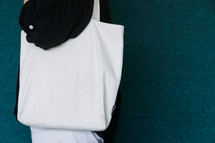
(10, 130)
(168, 80)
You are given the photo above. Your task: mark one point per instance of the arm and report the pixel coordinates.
(54, 21)
(25, 1)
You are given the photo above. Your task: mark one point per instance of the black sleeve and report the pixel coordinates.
(49, 23)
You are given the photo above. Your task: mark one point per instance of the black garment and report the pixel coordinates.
(49, 23)
(105, 15)
(109, 134)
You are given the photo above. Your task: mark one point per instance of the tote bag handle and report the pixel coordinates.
(96, 10)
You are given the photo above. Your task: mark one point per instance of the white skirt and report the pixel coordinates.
(44, 135)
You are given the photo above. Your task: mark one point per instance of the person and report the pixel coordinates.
(45, 135)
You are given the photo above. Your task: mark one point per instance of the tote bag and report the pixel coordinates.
(73, 85)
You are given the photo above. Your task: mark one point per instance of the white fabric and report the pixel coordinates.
(72, 86)
(96, 10)
(44, 135)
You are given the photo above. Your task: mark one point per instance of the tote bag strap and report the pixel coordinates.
(96, 10)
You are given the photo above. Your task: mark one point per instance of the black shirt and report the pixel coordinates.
(49, 23)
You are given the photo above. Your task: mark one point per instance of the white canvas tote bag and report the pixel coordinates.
(73, 85)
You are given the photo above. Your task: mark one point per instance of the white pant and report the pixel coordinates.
(42, 135)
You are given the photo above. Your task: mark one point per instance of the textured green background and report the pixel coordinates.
(168, 80)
